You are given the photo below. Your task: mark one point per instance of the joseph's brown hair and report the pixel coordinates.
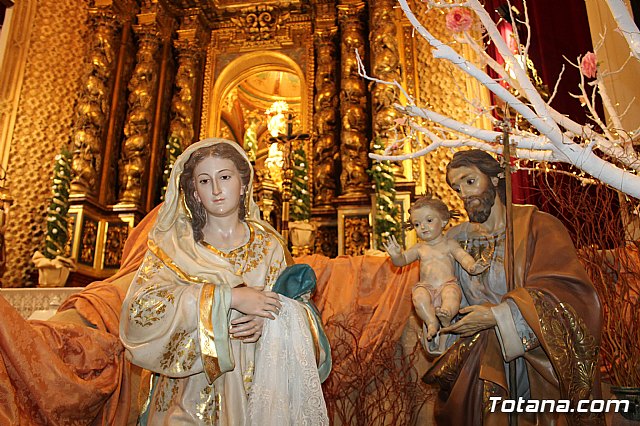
(488, 165)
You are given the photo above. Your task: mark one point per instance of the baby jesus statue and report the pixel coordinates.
(437, 295)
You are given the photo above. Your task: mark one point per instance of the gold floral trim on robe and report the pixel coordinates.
(572, 349)
(166, 260)
(207, 408)
(451, 362)
(248, 256)
(272, 275)
(213, 337)
(210, 337)
(287, 255)
(166, 392)
(151, 309)
(180, 354)
(150, 266)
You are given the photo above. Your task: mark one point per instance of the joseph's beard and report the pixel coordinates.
(480, 212)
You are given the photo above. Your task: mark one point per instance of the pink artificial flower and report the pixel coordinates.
(394, 147)
(459, 19)
(589, 65)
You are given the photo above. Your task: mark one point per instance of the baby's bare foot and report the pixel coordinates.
(432, 330)
(444, 316)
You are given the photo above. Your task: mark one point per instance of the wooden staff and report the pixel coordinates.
(508, 253)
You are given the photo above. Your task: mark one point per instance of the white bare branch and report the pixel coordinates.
(560, 139)
(627, 27)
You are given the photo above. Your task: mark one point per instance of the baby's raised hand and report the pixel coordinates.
(479, 267)
(392, 247)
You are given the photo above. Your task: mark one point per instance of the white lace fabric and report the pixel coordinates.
(286, 388)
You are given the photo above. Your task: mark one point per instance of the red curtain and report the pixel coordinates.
(558, 29)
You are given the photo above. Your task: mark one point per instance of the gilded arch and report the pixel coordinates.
(241, 68)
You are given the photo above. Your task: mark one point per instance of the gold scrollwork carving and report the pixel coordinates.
(260, 23)
(325, 121)
(408, 68)
(137, 128)
(154, 28)
(205, 96)
(92, 110)
(88, 243)
(354, 144)
(181, 126)
(190, 45)
(71, 226)
(326, 241)
(356, 235)
(385, 57)
(117, 234)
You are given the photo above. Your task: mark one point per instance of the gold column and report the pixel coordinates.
(354, 205)
(191, 42)
(93, 108)
(326, 107)
(153, 29)
(354, 146)
(385, 59)
(386, 65)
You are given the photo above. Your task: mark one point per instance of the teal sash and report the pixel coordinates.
(295, 282)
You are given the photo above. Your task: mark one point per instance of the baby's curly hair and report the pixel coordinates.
(428, 200)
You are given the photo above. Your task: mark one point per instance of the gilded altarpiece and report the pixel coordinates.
(390, 54)
(355, 127)
(354, 230)
(326, 107)
(256, 40)
(149, 93)
(326, 124)
(93, 111)
(107, 192)
(117, 155)
(354, 108)
(158, 80)
(190, 45)
(119, 126)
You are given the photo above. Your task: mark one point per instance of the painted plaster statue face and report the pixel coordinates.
(477, 191)
(218, 186)
(227, 157)
(428, 223)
